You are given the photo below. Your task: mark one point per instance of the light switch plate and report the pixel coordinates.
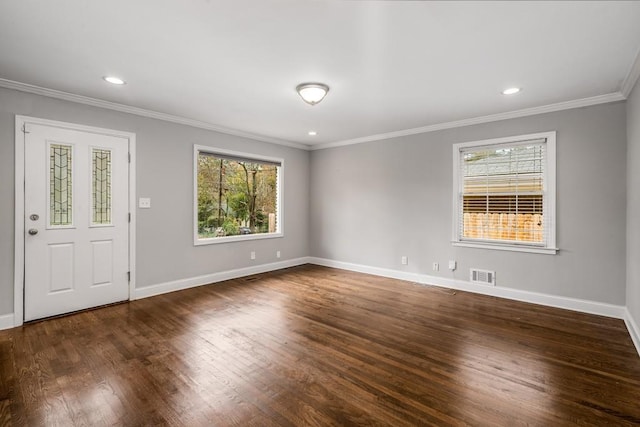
(144, 203)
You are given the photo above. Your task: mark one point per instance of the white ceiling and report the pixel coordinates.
(392, 66)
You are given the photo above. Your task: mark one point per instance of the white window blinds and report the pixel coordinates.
(502, 193)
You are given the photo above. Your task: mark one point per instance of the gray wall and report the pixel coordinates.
(633, 204)
(372, 203)
(165, 250)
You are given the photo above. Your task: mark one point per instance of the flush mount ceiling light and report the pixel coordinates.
(114, 80)
(312, 93)
(511, 91)
(312, 133)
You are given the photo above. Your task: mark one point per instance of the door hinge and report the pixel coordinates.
(129, 216)
(128, 276)
(129, 157)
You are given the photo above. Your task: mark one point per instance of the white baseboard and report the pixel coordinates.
(634, 329)
(7, 321)
(585, 306)
(177, 285)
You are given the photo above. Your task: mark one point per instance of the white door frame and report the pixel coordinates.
(19, 257)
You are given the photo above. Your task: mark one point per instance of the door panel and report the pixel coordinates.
(102, 262)
(60, 262)
(76, 220)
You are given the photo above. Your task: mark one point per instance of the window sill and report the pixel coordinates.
(241, 238)
(511, 248)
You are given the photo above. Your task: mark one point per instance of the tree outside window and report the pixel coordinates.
(236, 196)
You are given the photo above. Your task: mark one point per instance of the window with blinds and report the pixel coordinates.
(502, 192)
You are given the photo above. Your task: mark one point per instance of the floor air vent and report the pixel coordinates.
(483, 277)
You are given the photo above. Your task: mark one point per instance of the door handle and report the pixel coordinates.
(33, 231)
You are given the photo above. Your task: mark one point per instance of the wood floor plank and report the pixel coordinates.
(314, 346)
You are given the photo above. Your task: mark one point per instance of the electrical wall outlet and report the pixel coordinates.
(436, 266)
(452, 265)
(277, 254)
(253, 255)
(404, 260)
(144, 203)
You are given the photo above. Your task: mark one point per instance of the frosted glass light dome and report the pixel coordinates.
(312, 93)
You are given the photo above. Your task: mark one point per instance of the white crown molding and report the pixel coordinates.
(568, 105)
(94, 102)
(583, 306)
(632, 77)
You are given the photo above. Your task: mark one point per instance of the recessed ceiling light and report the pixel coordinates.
(114, 80)
(511, 91)
(312, 133)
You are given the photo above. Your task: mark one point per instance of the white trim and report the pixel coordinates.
(634, 329)
(239, 154)
(80, 99)
(133, 211)
(511, 248)
(7, 321)
(584, 306)
(367, 269)
(568, 105)
(197, 241)
(632, 77)
(18, 271)
(549, 189)
(18, 245)
(178, 285)
(228, 239)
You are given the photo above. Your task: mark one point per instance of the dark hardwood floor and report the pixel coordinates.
(313, 346)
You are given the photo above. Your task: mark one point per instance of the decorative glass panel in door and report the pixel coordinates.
(101, 186)
(60, 185)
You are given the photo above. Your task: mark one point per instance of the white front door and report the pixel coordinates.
(76, 220)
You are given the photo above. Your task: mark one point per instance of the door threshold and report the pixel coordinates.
(71, 313)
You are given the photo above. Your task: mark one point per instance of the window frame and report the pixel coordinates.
(198, 241)
(549, 194)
